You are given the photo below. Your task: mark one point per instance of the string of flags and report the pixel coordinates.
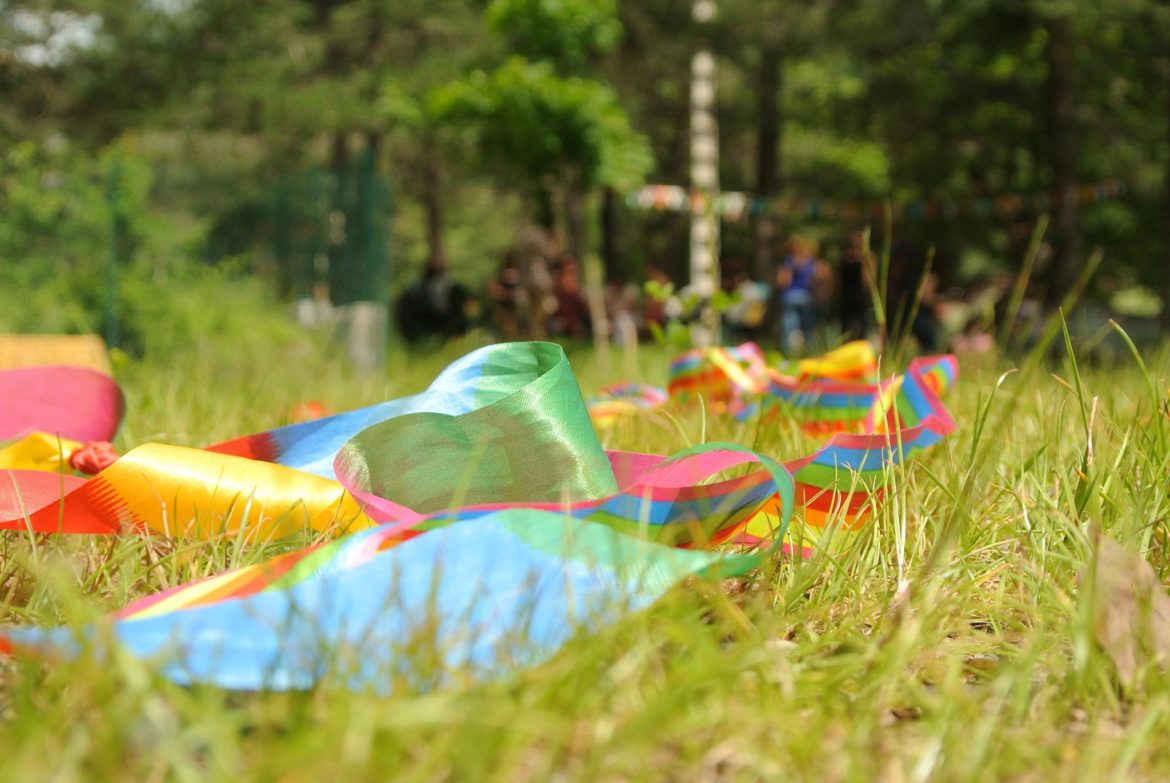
(734, 206)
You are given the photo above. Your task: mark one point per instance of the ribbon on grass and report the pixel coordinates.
(39, 451)
(477, 588)
(826, 393)
(840, 485)
(622, 400)
(503, 425)
(471, 593)
(870, 424)
(664, 501)
(466, 601)
(522, 395)
(495, 528)
(74, 403)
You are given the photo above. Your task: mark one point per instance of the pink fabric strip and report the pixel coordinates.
(73, 402)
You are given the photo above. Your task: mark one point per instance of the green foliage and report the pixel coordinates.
(676, 335)
(569, 33)
(55, 204)
(859, 101)
(56, 233)
(402, 109)
(540, 125)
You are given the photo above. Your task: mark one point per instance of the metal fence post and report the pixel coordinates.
(116, 244)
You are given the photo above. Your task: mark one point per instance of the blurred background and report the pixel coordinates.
(169, 167)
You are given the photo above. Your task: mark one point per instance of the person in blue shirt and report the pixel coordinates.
(802, 286)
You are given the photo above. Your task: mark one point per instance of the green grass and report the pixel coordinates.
(950, 641)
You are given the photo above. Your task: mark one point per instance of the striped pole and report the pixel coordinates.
(704, 181)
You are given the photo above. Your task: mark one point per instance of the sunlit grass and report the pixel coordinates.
(948, 640)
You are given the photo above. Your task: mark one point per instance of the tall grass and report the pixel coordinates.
(950, 640)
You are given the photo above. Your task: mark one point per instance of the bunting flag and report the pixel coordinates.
(485, 526)
(734, 206)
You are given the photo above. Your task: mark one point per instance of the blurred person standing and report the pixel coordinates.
(851, 288)
(622, 303)
(504, 293)
(433, 306)
(571, 316)
(657, 305)
(803, 286)
(744, 319)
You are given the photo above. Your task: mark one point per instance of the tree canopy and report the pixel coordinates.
(972, 118)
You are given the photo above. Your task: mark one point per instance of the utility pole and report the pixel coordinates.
(704, 181)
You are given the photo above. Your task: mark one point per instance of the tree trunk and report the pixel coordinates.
(546, 215)
(609, 251)
(574, 219)
(768, 114)
(1062, 136)
(433, 197)
(1165, 276)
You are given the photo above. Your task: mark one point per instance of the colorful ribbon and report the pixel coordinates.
(39, 451)
(662, 495)
(826, 393)
(511, 419)
(490, 510)
(624, 399)
(468, 600)
(282, 481)
(74, 403)
(871, 425)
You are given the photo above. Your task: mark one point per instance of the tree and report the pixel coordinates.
(571, 34)
(760, 37)
(553, 133)
(539, 116)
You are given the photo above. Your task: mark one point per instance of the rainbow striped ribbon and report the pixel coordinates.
(826, 393)
(871, 425)
(463, 602)
(493, 476)
(485, 511)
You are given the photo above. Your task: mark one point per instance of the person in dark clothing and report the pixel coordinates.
(908, 312)
(852, 300)
(505, 294)
(571, 318)
(434, 306)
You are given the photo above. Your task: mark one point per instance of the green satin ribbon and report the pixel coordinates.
(535, 443)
